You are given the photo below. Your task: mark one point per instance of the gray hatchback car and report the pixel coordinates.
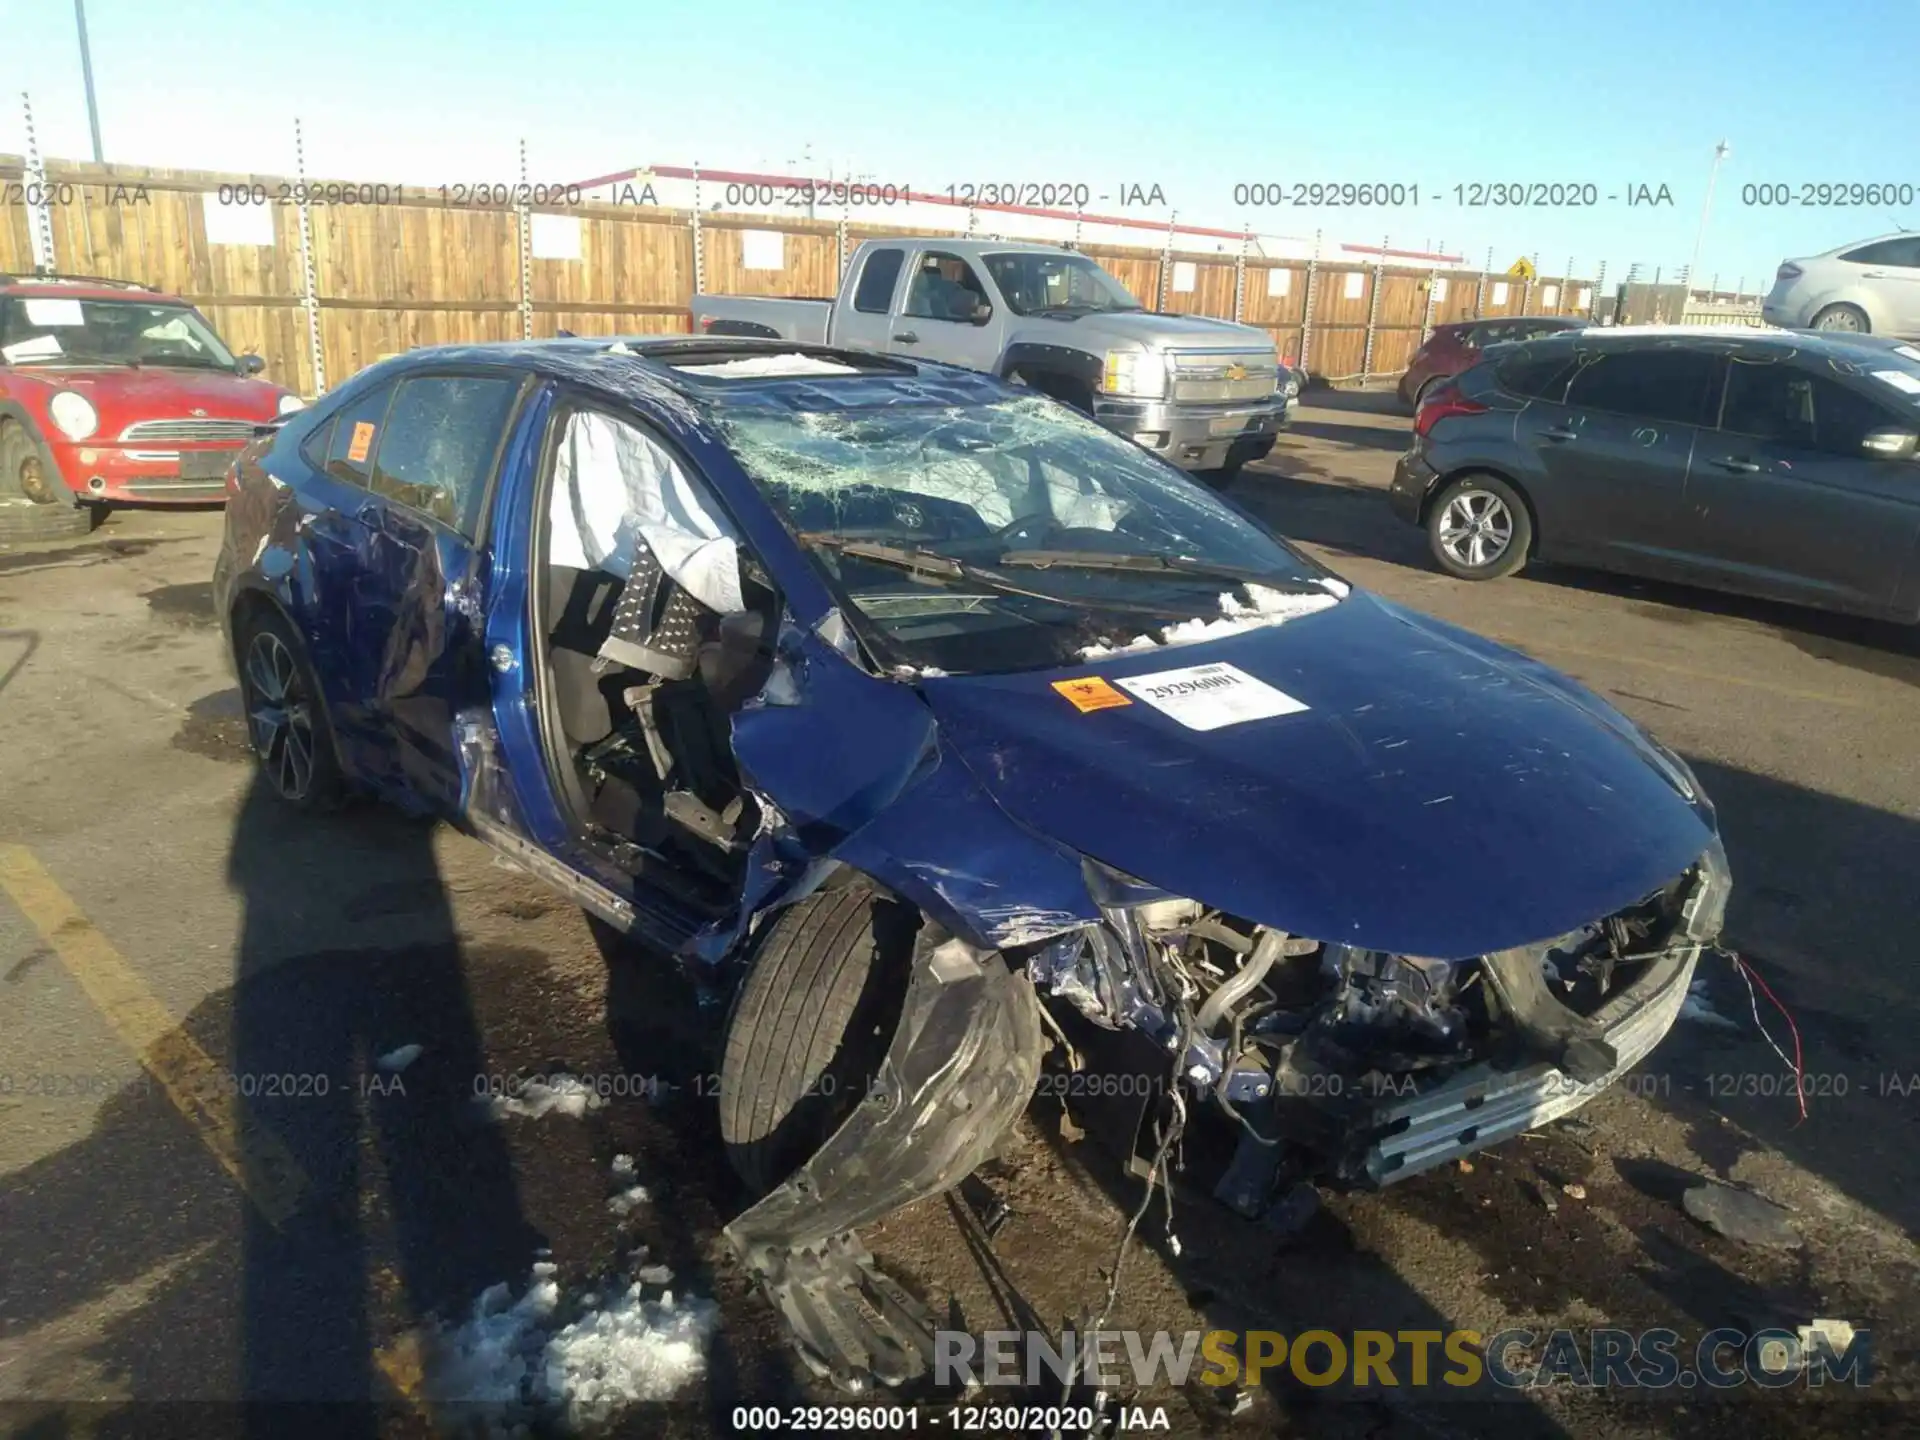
(1766, 463)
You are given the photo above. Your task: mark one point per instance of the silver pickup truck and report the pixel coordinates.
(1206, 394)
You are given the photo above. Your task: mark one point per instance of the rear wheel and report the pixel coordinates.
(1479, 528)
(1846, 318)
(812, 1022)
(286, 726)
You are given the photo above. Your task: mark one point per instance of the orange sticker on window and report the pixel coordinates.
(1090, 692)
(362, 442)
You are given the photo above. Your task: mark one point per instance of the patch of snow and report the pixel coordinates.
(394, 1061)
(655, 1275)
(760, 366)
(1262, 607)
(1699, 1009)
(561, 1093)
(623, 1167)
(628, 1200)
(617, 1349)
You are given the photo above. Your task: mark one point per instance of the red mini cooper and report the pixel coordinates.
(111, 391)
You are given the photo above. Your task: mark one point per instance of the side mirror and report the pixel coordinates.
(1890, 444)
(250, 364)
(982, 313)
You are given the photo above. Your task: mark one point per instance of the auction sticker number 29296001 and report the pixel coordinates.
(1206, 697)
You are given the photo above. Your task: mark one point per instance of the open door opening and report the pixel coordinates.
(653, 626)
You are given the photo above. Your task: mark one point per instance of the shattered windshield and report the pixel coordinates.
(1013, 535)
(60, 329)
(1040, 282)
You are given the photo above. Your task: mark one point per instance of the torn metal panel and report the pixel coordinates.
(961, 1067)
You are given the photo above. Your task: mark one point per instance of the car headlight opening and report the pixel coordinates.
(290, 403)
(1141, 373)
(74, 414)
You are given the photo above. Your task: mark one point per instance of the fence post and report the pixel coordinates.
(1599, 286)
(699, 250)
(1480, 294)
(525, 217)
(840, 248)
(1426, 315)
(1240, 278)
(310, 296)
(1166, 264)
(39, 215)
(1306, 311)
(1373, 310)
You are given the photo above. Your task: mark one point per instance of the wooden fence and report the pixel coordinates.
(359, 272)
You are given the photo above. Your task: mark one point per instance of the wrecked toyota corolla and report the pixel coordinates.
(893, 701)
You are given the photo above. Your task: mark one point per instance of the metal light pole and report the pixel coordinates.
(1720, 152)
(86, 75)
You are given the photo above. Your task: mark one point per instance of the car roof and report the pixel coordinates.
(83, 287)
(1819, 342)
(1856, 244)
(646, 369)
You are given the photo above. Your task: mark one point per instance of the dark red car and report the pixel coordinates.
(111, 391)
(1452, 348)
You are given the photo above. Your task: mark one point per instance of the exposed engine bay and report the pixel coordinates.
(1331, 1052)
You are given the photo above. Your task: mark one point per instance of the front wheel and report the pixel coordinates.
(22, 471)
(286, 726)
(1479, 528)
(813, 1020)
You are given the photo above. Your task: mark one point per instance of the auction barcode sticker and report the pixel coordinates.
(1206, 697)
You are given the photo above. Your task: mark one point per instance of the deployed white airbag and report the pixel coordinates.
(613, 485)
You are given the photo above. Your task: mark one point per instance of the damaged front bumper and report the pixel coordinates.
(1364, 1113)
(961, 1067)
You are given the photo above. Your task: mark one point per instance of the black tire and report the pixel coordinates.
(1845, 319)
(1484, 501)
(318, 783)
(810, 1026)
(22, 520)
(23, 470)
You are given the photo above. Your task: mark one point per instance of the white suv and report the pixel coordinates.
(1870, 286)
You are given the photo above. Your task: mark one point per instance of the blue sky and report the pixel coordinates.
(1194, 95)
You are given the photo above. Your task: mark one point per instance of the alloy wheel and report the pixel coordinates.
(279, 715)
(1476, 528)
(1839, 318)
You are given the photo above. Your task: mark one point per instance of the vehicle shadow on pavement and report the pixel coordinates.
(1822, 909)
(408, 1201)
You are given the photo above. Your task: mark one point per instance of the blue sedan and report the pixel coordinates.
(896, 703)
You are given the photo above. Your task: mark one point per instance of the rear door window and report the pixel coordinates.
(1537, 377)
(356, 430)
(1902, 251)
(877, 279)
(441, 438)
(1668, 385)
(1785, 405)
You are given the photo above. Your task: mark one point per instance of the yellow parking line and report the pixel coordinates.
(200, 1089)
(1690, 672)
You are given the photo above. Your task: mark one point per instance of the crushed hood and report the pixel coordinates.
(1422, 791)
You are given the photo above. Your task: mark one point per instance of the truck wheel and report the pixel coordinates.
(810, 1026)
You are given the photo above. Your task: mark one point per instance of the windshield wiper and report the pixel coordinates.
(1157, 565)
(935, 566)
